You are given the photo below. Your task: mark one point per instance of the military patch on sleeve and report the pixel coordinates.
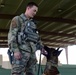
(13, 23)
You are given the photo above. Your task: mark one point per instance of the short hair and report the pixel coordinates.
(30, 4)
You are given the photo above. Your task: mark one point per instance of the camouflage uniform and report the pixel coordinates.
(27, 48)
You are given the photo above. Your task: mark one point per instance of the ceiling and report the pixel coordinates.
(56, 20)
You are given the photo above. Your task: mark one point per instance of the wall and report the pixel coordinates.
(68, 70)
(64, 70)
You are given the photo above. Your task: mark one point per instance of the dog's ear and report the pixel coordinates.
(58, 48)
(58, 53)
(46, 48)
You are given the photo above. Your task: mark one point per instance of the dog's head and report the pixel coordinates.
(52, 53)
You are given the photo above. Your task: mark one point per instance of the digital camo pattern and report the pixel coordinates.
(27, 64)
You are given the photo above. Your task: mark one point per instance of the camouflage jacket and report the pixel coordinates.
(13, 32)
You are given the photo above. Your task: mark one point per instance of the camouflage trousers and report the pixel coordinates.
(26, 65)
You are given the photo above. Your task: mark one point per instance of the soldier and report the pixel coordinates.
(23, 39)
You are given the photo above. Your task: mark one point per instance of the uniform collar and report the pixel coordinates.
(24, 17)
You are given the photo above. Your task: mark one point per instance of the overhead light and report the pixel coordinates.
(59, 10)
(2, 5)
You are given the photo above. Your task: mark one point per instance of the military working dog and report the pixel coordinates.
(51, 67)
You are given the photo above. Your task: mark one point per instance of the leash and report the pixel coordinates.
(39, 65)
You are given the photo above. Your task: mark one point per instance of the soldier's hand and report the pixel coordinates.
(43, 51)
(17, 55)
